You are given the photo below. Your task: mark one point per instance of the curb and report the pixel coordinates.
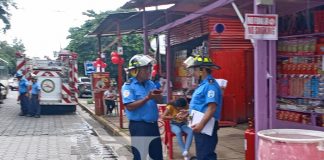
(113, 129)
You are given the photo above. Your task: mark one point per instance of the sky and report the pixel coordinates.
(43, 25)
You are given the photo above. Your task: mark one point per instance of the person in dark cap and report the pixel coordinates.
(34, 107)
(23, 96)
(176, 111)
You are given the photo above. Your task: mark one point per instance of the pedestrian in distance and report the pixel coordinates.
(110, 97)
(177, 112)
(140, 98)
(23, 96)
(164, 87)
(207, 99)
(35, 108)
(1, 96)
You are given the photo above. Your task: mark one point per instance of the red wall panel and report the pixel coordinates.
(237, 68)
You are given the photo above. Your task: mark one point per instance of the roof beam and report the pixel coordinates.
(192, 16)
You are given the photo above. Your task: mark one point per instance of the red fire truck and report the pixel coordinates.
(57, 79)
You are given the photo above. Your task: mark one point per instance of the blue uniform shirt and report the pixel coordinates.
(23, 85)
(208, 91)
(157, 84)
(133, 91)
(35, 88)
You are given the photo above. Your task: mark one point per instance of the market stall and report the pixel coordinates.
(287, 75)
(300, 79)
(226, 48)
(197, 31)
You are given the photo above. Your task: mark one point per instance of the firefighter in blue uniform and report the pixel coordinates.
(207, 98)
(35, 108)
(140, 98)
(23, 85)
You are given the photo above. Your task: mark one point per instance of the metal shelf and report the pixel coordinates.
(289, 124)
(288, 56)
(302, 35)
(301, 97)
(292, 110)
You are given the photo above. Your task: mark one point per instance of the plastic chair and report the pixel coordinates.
(168, 135)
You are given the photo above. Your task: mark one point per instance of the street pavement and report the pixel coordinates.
(71, 136)
(230, 146)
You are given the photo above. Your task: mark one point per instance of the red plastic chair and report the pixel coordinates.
(168, 136)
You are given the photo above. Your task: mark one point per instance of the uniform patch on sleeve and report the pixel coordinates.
(126, 93)
(211, 94)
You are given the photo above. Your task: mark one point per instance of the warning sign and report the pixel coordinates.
(261, 26)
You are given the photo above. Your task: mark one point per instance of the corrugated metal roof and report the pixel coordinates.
(246, 6)
(131, 22)
(147, 3)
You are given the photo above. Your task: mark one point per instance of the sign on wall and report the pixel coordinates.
(88, 68)
(261, 26)
(100, 80)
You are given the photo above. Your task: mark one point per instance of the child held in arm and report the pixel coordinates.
(177, 112)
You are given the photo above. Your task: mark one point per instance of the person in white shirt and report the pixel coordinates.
(164, 87)
(110, 96)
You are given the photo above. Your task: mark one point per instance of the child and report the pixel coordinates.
(177, 112)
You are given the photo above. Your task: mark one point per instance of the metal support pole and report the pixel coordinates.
(157, 56)
(168, 60)
(168, 64)
(263, 90)
(120, 81)
(241, 18)
(99, 49)
(145, 33)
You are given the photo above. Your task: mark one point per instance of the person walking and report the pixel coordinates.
(35, 108)
(207, 98)
(23, 96)
(140, 97)
(176, 111)
(110, 96)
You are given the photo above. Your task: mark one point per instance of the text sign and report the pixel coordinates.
(88, 68)
(261, 26)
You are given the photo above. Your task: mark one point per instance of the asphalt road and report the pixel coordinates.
(60, 137)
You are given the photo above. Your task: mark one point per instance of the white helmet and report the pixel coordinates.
(33, 76)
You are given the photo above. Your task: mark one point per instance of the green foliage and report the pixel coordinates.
(90, 101)
(4, 13)
(87, 47)
(8, 53)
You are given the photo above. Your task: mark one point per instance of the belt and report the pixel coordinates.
(149, 122)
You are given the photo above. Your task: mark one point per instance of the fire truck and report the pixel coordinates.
(57, 79)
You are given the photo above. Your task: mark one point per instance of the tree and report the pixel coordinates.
(87, 47)
(8, 53)
(4, 12)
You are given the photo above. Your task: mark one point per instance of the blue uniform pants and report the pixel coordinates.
(146, 140)
(24, 103)
(206, 145)
(34, 107)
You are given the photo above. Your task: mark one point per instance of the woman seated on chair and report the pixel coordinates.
(177, 112)
(110, 96)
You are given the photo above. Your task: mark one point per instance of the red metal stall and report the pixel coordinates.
(100, 82)
(225, 49)
(238, 95)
